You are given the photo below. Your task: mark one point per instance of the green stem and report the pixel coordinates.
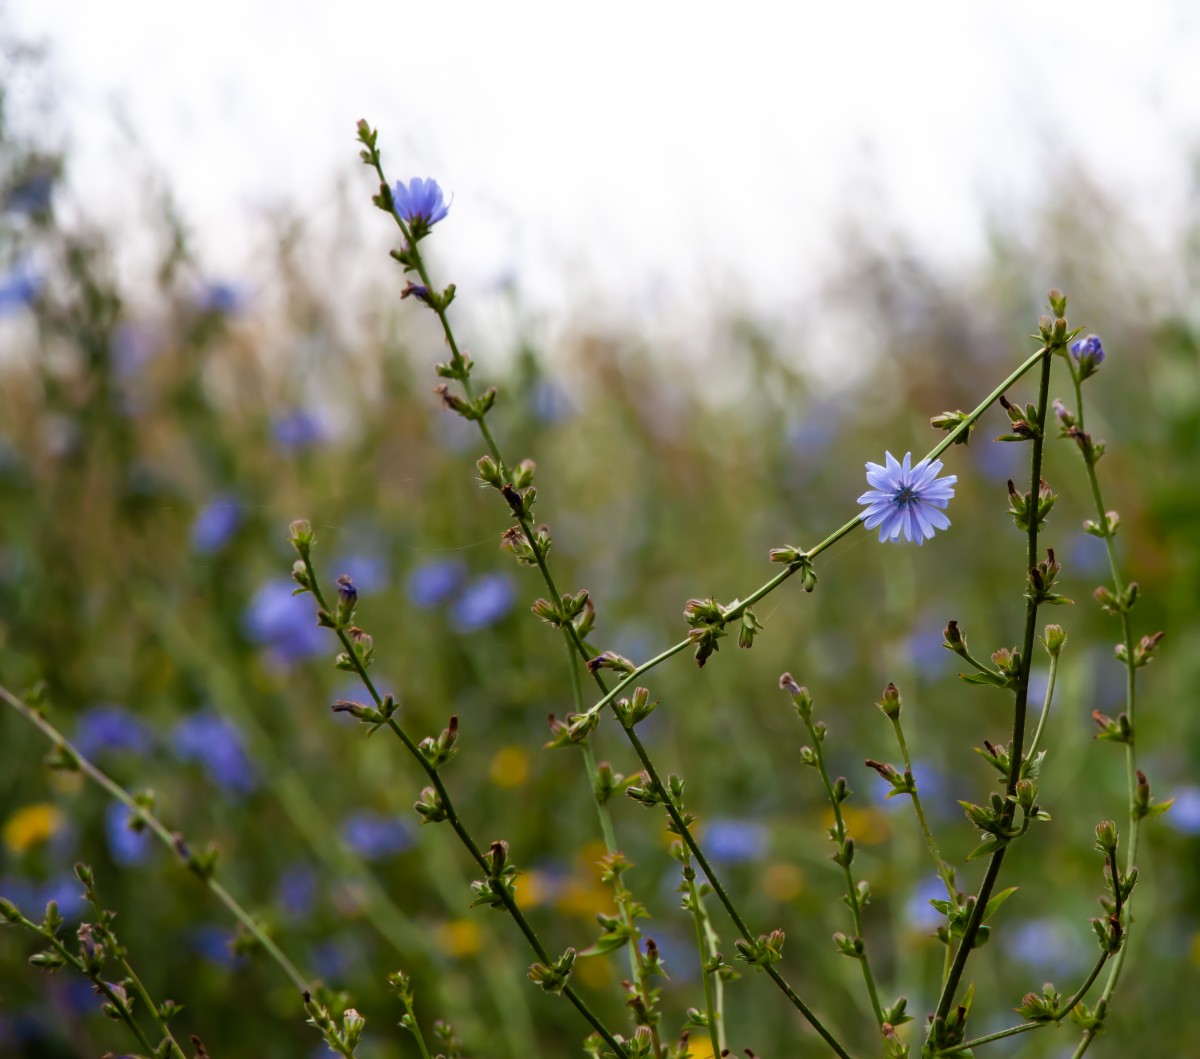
(852, 895)
(174, 843)
(768, 587)
(1037, 735)
(706, 947)
(1025, 1027)
(415, 1027)
(102, 987)
(942, 868)
(1119, 589)
(453, 820)
(950, 988)
(621, 894)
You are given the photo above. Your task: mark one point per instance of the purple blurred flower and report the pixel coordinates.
(127, 847)
(373, 836)
(283, 622)
(216, 523)
(332, 960)
(18, 289)
(298, 430)
(297, 890)
(133, 347)
(1047, 944)
(919, 912)
(549, 402)
(220, 297)
(732, 841)
(1184, 815)
(215, 944)
(110, 727)
(905, 500)
(211, 741)
(419, 200)
(483, 602)
(30, 196)
(435, 582)
(67, 891)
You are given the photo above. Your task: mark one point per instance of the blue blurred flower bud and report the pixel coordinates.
(216, 524)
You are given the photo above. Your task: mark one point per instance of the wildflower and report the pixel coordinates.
(18, 289)
(111, 727)
(732, 841)
(1088, 354)
(298, 430)
(283, 622)
(127, 846)
(905, 499)
(31, 825)
(483, 603)
(213, 742)
(1185, 813)
(219, 298)
(419, 202)
(215, 524)
(296, 891)
(374, 837)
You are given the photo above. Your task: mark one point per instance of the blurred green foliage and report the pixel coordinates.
(155, 444)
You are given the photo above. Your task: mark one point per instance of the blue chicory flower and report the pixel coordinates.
(283, 622)
(435, 582)
(1088, 354)
(484, 602)
(297, 890)
(373, 836)
(126, 846)
(732, 841)
(111, 727)
(18, 289)
(906, 499)
(419, 201)
(298, 430)
(212, 741)
(30, 196)
(216, 524)
(1184, 815)
(220, 298)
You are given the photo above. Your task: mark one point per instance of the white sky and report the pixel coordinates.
(624, 143)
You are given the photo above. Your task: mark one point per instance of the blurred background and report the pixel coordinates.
(712, 267)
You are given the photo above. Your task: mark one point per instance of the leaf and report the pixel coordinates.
(995, 680)
(988, 848)
(997, 901)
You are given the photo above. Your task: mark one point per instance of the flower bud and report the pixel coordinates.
(890, 702)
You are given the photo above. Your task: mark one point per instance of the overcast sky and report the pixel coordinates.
(629, 142)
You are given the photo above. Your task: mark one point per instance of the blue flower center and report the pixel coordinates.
(907, 495)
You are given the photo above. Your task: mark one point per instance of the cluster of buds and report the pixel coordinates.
(367, 714)
(430, 806)
(1000, 759)
(470, 409)
(610, 660)
(763, 951)
(798, 561)
(342, 1038)
(363, 648)
(1043, 1007)
(634, 710)
(1068, 427)
(1143, 651)
(707, 620)
(1024, 508)
(565, 611)
(1041, 582)
(496, 891)
(1113, 731)
(437, 751)
(553, 977)
(1022, 421)
(646, 792)
(1117, 603)
(527, 551)
(573, 730)
(902, 782)
(952, 421)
